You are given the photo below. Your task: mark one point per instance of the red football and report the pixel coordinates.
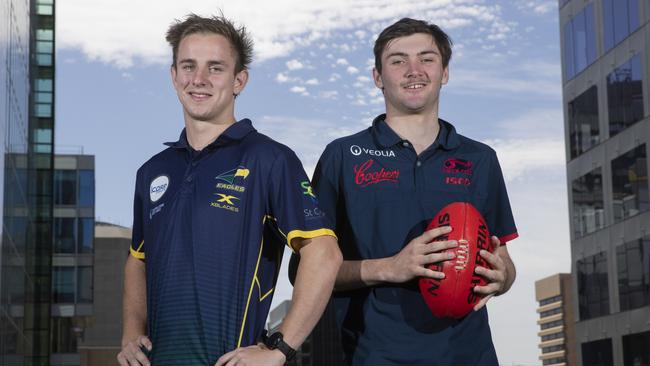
(453, 296)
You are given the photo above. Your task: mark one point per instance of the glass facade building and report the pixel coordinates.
(606, 70)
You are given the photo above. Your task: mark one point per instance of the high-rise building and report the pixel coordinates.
(72, 256)
(556, 320)
(606, 70)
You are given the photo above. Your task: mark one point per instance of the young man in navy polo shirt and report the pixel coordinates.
(212, 214)
(382, 185)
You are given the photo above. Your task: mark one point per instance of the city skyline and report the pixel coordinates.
(311, 83)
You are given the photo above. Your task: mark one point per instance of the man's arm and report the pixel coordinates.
(134, 315)
(404, 266)
(320, 259)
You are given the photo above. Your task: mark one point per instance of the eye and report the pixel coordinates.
(397, 62)
(187, 67)
(427, 60)
(215, 69)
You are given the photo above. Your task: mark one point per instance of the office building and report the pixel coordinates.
(606, 70)
(101, 341)
(556, 320)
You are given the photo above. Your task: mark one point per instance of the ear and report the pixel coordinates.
(241, 78)
(445, 76)
(377, 77)
(172, 71)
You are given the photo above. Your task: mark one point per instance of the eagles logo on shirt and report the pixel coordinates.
(229, 178)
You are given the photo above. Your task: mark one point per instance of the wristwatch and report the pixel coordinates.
(275, 341)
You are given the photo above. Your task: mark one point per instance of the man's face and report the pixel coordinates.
(205, 79)
(412, 74)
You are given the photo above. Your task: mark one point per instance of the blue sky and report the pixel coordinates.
(311, 82)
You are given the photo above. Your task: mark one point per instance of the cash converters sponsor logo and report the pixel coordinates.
(364, 177)
(357, 150)
(225, 202)
(229, 179)
(308, 191)
(158, 187)
(454, 165)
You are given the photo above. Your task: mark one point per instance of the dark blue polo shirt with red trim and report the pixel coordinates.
(381, 194)
(211, 227)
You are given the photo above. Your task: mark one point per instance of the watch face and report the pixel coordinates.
(274, 340)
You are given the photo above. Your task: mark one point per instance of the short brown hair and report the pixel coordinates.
(406, 27)
(239, 38)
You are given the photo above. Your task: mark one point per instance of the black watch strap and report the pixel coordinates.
(276, 341)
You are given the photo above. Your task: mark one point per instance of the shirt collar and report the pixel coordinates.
(235, 132)
(385, 136)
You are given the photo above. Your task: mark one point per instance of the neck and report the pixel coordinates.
(421, 130)
(201, 133)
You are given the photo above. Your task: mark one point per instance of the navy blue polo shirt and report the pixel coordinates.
(211, 227)
(381, 194)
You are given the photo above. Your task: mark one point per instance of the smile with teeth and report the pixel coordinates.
(415, 86)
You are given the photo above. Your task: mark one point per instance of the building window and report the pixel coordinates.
(550, 300)
(63, 285)
(630, 184)
(559, 347)
(579, 42)
(86, 235)
(64, 340)
(593, 296)
(553, 324)
(547, 313)
(583, 122)
(86, 188)
(588, 213)
(552, 336)
(597, 353)
(64, 235)
(553, 361)
(65, 187)
(85, 284)
(620, 18)
(633, 260)
(635, 349)
(625, 95)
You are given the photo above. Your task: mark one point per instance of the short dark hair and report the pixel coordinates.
(239, 38)
(406, 27)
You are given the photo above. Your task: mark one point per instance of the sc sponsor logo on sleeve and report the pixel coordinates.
(158, 187)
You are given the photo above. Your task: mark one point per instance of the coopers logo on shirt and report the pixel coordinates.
(363, 176)
(158, 187)
(356, 150)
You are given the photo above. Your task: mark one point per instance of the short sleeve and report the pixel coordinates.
(499, 217)
(137, 238)
(293, 203)
(326, 183)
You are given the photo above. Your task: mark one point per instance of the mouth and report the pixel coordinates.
(199, 96)
(414, 86)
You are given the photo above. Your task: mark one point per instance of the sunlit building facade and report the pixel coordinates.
(606, 70)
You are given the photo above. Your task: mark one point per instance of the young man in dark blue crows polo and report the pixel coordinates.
(382, 185)
(212, 214)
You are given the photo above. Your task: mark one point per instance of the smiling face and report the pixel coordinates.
(205, 80)
(412, 75)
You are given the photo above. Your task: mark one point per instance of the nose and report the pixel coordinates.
(200, 76)
(414, 68)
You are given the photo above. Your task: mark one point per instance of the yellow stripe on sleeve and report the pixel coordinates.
(307, 235)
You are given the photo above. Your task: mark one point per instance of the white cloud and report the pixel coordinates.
(352, 70)
(294, 65)
(329, 94)
(364, 79)
(539, 7)
(282, 78)
(334, 77)
(277, 27)
(312, 81)
(342, 61)
(298, 89)
(360, 34)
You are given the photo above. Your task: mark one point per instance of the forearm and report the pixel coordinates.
(134, 305)
(319, 263)
(362, 273)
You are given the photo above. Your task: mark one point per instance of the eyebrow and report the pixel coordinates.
(210, 63)
(403, 54)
